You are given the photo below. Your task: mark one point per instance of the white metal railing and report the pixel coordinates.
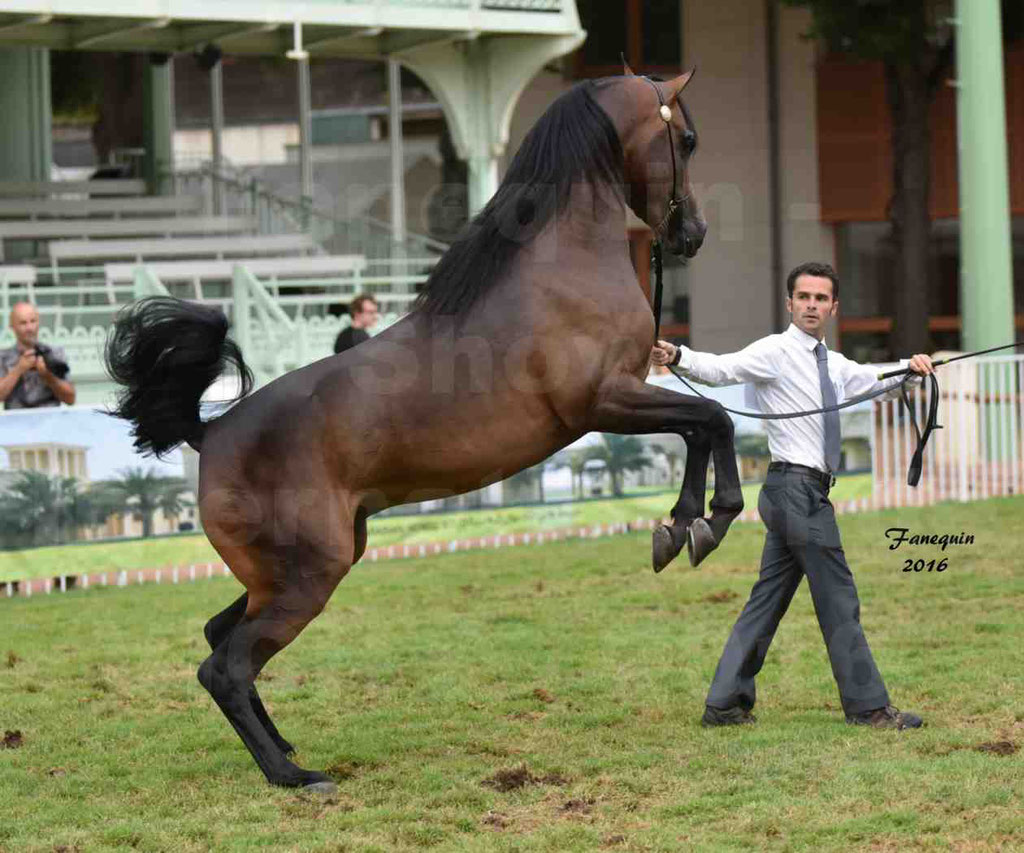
(976, 454)
(231, 190)
(281, 321)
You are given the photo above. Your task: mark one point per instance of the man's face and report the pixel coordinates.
(25, 324)
(367, 317)
(812, 304)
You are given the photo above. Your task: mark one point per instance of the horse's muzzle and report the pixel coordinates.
(688, 239)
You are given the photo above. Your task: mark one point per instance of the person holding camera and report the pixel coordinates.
(32, 374)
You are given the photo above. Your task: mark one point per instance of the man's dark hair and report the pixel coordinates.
(356, 305)
(816, 269)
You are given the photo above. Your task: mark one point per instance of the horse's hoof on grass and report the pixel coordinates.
(663, 547)
(700, 541)
(325, 787)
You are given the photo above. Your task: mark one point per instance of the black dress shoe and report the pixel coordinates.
(888, 717)
(734, 716)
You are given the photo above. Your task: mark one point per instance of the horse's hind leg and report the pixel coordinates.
(295, 584)
(216, 631)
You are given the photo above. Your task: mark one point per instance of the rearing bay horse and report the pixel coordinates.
(531, 332)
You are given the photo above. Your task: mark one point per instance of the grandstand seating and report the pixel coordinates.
(285, 309)
(107, 187)
(181, 247)
(50, 229)
(32, 208)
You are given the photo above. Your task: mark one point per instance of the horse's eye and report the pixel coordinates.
(689, 141)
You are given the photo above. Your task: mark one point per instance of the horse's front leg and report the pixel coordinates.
(629, 406)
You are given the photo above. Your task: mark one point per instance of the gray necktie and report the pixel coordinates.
(828, 398)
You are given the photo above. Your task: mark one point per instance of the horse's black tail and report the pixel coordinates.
(166, 352)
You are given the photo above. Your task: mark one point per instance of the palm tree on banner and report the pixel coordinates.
(30, 509)
(620, 453)
(104, 499)
(146, 491)
(75, 508)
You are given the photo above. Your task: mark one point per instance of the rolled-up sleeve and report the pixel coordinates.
(755, 363)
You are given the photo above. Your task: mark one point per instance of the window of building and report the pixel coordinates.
(866, 266)
(647, 32)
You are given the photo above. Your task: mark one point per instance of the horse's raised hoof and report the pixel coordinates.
(663, 547)
(700, 541)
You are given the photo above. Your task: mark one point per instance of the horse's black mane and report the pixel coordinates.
(574, 141)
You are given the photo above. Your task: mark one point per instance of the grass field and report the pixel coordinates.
(413, 530)
(568, 671)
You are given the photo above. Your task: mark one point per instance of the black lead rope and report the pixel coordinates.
(657, 267)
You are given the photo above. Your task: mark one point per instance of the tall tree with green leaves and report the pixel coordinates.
(914, 40)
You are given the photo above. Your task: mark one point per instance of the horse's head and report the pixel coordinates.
(658, 139)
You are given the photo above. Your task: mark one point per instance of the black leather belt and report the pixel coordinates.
(826, 479)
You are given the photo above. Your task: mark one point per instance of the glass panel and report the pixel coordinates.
(662, 36)
(605, 23)
(868, 276)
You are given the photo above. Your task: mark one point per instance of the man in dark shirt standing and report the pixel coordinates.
(27, 379)
(364, 312)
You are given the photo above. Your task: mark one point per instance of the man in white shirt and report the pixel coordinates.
(795, 371)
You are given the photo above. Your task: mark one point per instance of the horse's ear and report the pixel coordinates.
(626, 70)
(675, 87)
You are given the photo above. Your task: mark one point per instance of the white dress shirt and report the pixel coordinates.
(783, 372)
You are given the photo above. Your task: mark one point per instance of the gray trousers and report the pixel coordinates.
(803, 539)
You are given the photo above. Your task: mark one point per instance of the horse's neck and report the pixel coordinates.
(596, 218)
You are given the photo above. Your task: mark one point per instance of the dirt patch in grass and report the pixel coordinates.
(998, 747)
(720, 597)
(495, 820)
(510, 779)
(578, 806)
(12, 740)
(346, 768)
(533, 716)
(543, 695)
(12, 660)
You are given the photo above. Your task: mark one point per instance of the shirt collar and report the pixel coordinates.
(808, 342)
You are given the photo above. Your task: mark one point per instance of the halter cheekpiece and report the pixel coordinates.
(665, 111)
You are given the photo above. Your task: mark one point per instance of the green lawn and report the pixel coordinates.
(569, 663)
(413, 530)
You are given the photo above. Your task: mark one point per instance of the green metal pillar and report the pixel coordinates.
(26, 149)
(485, 144)
(158, 123)
(478, 82)
(986, 281)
